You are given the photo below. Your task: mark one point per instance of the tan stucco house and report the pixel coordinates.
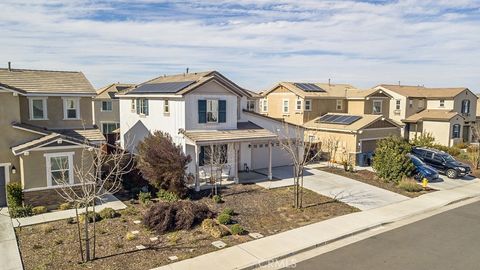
(447, 113)
(45, 119)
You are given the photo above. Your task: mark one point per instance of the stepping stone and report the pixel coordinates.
(219, 244)
(137, 222)
(173, 258)
(255, 235)
(153, 239)
(140, 247)
(135, 232)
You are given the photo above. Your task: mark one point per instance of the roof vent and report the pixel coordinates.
(187, 70)
(9, 66)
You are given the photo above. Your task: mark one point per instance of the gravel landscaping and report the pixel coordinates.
(54, 245)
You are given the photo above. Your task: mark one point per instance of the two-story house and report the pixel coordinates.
(353, 119)
(446, 113)
(106, 112)
(46, 121)
(203, 111)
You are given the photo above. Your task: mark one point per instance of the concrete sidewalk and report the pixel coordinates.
(110, 201)
(355, 193)
(9, 254)
(258, 252)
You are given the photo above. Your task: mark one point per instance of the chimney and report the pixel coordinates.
(187, 70)
(9, 66)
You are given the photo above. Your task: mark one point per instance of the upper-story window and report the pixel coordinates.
(71, 108)
(212, 111)
(142, 106)
(377, 107)
(410, 103)
(308, 104)
(298, 106)
(251, 105)
(397, 104)
(285, 105)
(166, 106)
(38, 108)
(456, 131)
(465, 106)
(421, 103)
(442, 103)
(106, 106)
(339, 105)
(264, 105)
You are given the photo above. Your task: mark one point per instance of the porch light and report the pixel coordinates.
(249, 146)
(14, 170)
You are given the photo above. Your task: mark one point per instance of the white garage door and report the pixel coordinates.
(260, 156)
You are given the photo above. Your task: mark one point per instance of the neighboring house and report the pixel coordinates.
(447, 113)
(306, 103)
(202, 111)
(46, 122)
(106, 113)
(350, 135)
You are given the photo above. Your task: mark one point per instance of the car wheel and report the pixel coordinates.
(451, 173)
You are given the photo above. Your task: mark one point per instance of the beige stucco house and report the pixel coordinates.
(447, 113)
(46, 122)
(106, 111)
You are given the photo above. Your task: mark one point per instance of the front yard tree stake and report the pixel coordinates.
(163, 163)
(301, 152)
(215, 157)
(97, 174)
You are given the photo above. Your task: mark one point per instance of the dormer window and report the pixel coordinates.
(442, 103)
(71, 108)
(38, 108)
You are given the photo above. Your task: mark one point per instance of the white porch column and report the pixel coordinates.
(235, 166)
(270, 160)
(197, 175)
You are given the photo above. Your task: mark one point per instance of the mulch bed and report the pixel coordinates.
(54, 245)
(371, 178)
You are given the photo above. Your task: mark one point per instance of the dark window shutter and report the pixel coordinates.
(222, 111)
(202, 111)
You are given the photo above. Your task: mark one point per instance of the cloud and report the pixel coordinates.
(255, 43)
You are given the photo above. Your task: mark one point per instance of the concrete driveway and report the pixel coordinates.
(9, 253)
(349, 191)
(445, 183)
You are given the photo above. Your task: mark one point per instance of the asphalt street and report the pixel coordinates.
(450, 240)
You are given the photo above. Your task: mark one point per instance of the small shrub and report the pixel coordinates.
(217, 198)
(145, 197)
(219, 231)
(35, 246)
(167, 196)
(409, 185)
(173, 238)
(65, 206)
(130, 236)
(237, 229)
(21, 211)
(129, 211)
(224, 219)
(208, 224)
(454, 151)
(107, 213)
(228, 211)
(46, 228)
(39, 210)
(91, 216)
(391, 162)
(172, 216)
(14, 194)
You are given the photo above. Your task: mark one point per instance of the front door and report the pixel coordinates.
(466, 133)
(3, 194)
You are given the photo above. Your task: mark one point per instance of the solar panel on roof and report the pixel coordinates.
(338, 119)
(309, 87)
(160, 88)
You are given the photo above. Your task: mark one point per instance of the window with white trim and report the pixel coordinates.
(442, 103)
(251, 105)
(298, 105)
(38, 108)
(339, 105)
(59, 168)
(142, 106)
(456, 131)
(285, 105)
(308, 104)
(264, 105)
(109, 127)
(166, 106)
(410, 103)
(71, 108)
(132, 105)
(397, 104)
(377, 107)
(106, 106)
(212, 111)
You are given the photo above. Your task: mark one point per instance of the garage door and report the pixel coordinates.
(260, 156)
(369, 146)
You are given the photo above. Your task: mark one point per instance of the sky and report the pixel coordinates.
(255, 43)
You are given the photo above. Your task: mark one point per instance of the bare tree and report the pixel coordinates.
(301, 151)
(97, 175)
(216, 157)
(331, 147)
